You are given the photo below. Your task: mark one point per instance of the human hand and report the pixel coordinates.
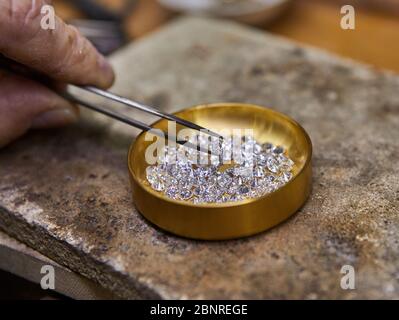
(62, 54)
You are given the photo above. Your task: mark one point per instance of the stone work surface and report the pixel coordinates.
(66, 192)
(20, 260)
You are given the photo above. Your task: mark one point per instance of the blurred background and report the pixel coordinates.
(110, 24)
(313, 22)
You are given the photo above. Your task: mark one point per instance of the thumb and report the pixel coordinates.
(25, 104)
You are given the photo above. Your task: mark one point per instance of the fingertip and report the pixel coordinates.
(107, 74)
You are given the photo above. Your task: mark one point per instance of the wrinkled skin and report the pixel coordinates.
(61, 54)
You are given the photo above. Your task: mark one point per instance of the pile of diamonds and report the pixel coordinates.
(254, 170)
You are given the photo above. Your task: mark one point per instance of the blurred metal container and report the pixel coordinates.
(254, 12)
(102, 25)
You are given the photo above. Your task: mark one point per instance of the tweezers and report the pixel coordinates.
(8, 65)
(138, 106)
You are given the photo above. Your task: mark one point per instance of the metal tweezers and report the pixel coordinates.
(138, 106)
(9, 65)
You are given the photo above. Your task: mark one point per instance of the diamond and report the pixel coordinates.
(257, 148)
(254, 171)
(213, 179)
(233, 187)
(272, 164)
(258, 172)
(198, 191)
(198, 200)
(286, 164)
(185, 194)
(151, 174)
(224, 180)
(262, 159)
(243, 190)
(235, 198)
(169, 181)
(267, 147)
(223, 199)
(278, 150)
(244, 172)
(155, 179)
(172, 192)
(286, 176)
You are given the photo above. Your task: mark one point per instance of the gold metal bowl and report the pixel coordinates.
(236, 219)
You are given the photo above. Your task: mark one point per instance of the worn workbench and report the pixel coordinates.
(66, 192)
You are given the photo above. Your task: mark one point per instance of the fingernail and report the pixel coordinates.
(55, 118)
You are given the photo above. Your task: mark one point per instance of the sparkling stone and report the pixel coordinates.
(223, 199)
(172, 192)
(248, 151)
(186, 182)
(154, 178)
(257, 148)
(158, 185)
(215, 160)
(233, 187)
(262, 159)
(227, 150)
(244, 172)
(273, 164)
(151, 174)
(286, 176)
(267, 147)
(199, 191)
(170, 181)
(185, 194)
(212, 180)
(259, 170)
(243, 190)
(168, 155)
(215, 146)
(254, 184)
(286, 164)
(235, 198)
(240, 181)
(278, 150)
(198, 200)
(224, 180)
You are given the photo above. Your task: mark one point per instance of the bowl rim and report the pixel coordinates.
(262, 7)
(227, 204)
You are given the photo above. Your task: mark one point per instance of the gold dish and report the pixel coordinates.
(218, 221)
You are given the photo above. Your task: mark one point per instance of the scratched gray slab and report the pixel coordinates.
(20, 260)
(66, 192)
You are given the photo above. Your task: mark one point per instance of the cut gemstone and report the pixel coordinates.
(257, 148)
(172, 192)
(243, 190)
(254, 170)
(224, 180)
(258, 172)
(278, 150)
(286, 176)
(267, 147)
(273, 164)
(185, 194)
(262, 159)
